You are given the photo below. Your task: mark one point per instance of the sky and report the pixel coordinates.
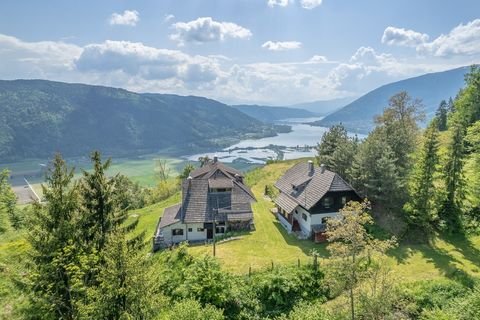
(272, 52)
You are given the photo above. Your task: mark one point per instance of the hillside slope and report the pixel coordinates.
(272, 114)
(41, 117)
(431, 88)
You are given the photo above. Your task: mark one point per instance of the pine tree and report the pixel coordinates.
(52, 235)
(100, 213)
(374, 172)
(421, 188)
(441, 116)
(8, 202)
(125, 289)
(336, 150)
(399, 128)
(454, 180)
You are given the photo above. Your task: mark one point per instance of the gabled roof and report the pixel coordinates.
(306, 184)
(200, 201)
(213, 166)
(170, 216)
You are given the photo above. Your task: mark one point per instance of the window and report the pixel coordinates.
(200, 229)
(190, 229)
(327, 202)
(296, 211)
(220, 230)
(344, 200)
(304, 216)
(177, 232)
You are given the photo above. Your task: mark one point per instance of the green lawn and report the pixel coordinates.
(451, 257)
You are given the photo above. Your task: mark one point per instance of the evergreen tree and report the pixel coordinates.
(441, 116)
(336, 150)
(421, 188)
(450, 211)
(8, 202)
(125, 288)
(374, 172)
(399, 128)
(100, 213)
(52, 230)
(473, 140)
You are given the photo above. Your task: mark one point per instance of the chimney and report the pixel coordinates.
(310, 166)
(215, 159)
(322, 168)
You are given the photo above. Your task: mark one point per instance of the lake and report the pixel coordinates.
(298, 143)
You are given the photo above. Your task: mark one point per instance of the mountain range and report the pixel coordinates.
(431, 88)
(39, 118)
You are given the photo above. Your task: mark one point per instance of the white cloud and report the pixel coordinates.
(148, 63)
(318, 59)
(403, 37)
(205, 29)
(310, 4)
(138, 67)
(168, 18)
(35, 59)
(280, 3)
(462, 40)
(282, 45)
(127, 18)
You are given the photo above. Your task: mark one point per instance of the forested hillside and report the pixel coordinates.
(431, 88)
(271, 114)
(40, 117)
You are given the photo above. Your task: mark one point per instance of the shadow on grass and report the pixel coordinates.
(441, 258)
(305, 245)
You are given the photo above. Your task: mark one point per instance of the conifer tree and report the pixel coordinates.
(52, 230)
(100, 213)
(454, 180)
(398, 125)
(374, 172)
(441, 116)
(8, 201)
(336, 150)
(421, 187)
(125, 288)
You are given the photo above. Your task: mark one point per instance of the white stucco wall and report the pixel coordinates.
(304, 225)
(312, 219)
(196, 235)
(167, 233)
(317, 218)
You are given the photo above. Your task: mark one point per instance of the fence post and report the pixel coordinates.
(298, 260)
(249, 271)
(272, 265)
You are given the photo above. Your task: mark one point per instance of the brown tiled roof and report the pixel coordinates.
(212, 167)
(285, 202)
(170, 215)
(200, 205)
(220, 183)
(306, 187)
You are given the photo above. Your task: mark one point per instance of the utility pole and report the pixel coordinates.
(214, 230)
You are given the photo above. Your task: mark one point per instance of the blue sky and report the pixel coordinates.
(238, 51)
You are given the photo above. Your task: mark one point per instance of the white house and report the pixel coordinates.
(214, 200)
(308, 196)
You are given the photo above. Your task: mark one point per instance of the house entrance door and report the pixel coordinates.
(209, 233)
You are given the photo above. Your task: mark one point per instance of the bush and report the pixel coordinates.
(190, 309)
(428, 295)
